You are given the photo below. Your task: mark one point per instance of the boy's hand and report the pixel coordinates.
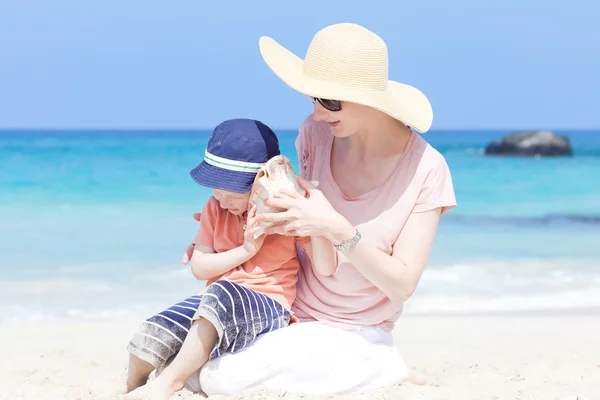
(252, 245)
(187, 256)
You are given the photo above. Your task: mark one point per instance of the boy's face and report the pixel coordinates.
(235, 203)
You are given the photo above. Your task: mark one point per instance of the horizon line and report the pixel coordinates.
(189, 129)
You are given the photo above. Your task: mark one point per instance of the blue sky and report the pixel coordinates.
(510, 64)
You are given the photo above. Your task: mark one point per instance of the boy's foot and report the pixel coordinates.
(416, 378)
(156, 389)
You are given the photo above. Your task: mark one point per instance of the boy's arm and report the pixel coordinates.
(323, 255)
(207, 264)
(187, 256)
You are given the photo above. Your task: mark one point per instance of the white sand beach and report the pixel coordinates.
(464, 357)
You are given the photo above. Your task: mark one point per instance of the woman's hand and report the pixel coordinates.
(306, 216)
(252, 245)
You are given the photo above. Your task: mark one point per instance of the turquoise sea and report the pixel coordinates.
(93, 224)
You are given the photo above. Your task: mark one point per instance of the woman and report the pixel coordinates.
(381, 192)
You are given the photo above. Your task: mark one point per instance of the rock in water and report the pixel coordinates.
(530, 144)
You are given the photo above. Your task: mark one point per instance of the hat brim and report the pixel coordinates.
(401, 101)
(217, 178)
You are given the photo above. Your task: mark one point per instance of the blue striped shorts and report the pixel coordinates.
(238, 314)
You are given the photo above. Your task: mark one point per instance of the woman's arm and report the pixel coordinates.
(397, 275)
(323, 256)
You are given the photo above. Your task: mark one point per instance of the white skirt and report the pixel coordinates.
(308, 357)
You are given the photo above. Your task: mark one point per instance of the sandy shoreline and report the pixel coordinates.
(464, 357)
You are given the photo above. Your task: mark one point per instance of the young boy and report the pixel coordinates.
(251, 283)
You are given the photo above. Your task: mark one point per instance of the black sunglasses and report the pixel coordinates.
(331, 105)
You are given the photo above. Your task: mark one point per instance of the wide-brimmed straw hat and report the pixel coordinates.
(348, 62)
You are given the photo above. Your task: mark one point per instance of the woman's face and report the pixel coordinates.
(346, 122)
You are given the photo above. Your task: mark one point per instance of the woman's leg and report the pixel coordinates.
(158, 339)
(311, 358)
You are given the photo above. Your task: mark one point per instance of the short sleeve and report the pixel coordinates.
(437, 190)
(208, 218)
(303, 148)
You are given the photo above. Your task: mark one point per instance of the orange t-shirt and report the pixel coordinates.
(273, 271)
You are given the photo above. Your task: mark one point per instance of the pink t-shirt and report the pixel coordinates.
(421, 182)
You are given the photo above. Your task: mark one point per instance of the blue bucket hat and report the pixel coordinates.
(236, 151)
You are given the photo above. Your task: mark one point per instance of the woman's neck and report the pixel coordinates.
(384, 138)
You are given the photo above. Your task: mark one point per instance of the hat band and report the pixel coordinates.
(232, 165)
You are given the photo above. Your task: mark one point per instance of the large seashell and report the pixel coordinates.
(275, 175)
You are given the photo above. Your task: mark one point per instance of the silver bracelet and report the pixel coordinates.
(349, 243)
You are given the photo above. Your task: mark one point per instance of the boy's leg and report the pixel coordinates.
(240, 315)
(158, 339)
(229, 318)
(195, 351)
(138, 372)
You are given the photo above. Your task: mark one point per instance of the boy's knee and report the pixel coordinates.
(219, 286)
